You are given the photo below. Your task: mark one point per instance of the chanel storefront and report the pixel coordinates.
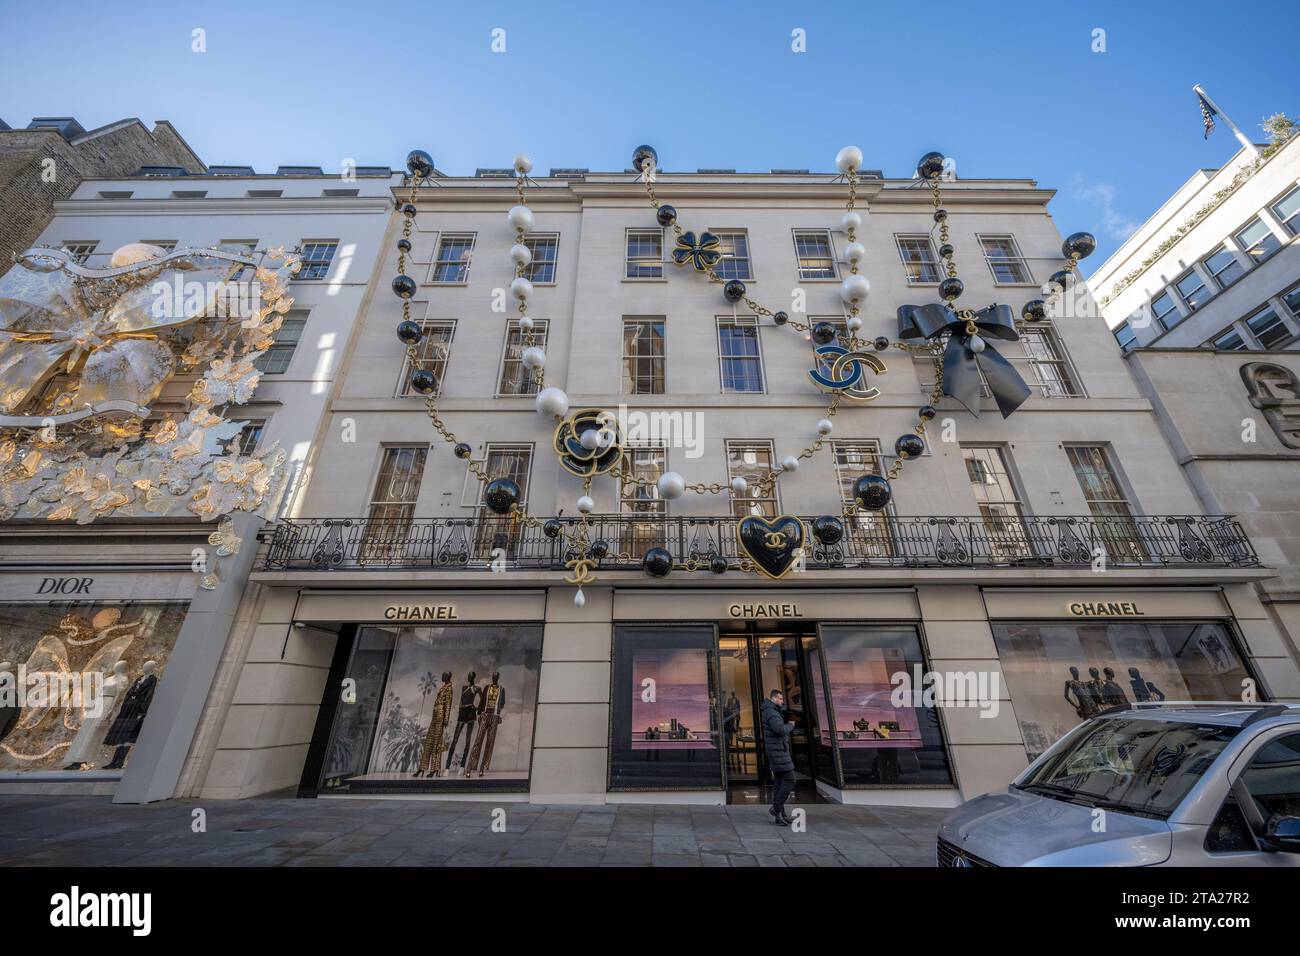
(922, 695)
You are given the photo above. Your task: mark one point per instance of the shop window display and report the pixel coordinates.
(1061, 674)
(878, 743)
(665, 710)
(437, 708)
(77, 681)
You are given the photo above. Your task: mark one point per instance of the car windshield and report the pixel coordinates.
(1132, 765)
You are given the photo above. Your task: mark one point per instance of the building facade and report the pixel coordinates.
(1217, 265)
(399, 637)
(47, 161)
(73, 596)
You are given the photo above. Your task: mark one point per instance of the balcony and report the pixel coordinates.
(872, 541)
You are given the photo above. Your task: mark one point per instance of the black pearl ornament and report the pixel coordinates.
(1035, 310)
(823, 333)
(946, 250)
(951, 287)
(734, 290)
(940, 214)
(403, 245)
(408, 210)
(462, 450)
(926, 412)
(828, 529)
(419, 163)
(1080, 245)
(780, 318)
(880, 343)
(599, 549)
(409, 332)
(1062, 279)
(666, 215)
(500, 495)
(718, 564)
(872, 492)
(404, 286)
(657, 562)
(930, 166)
(909, 446)
(641, 154)
(551, 529)
(424, 381)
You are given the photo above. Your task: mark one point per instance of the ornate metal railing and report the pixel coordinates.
(877, 540)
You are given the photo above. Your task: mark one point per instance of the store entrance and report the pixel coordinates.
(753, 663)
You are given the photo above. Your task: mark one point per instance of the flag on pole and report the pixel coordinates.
(1208, 113)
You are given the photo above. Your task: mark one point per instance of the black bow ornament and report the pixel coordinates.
(967, 355)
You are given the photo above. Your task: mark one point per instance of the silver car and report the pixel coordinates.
(1168, 784)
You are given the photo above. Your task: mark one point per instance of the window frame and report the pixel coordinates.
(1068, 374)
(642, 261)
(403, 389)
(831, 256)
(1232, 261)
(530, 240)
(721, 269)
(541, 329)
(1264, 238)
(73, 246)
(1006, 478)
(1173, 309)
(461, 264)
(309, 264)
(933, 261)
(764, 444)
(740, 321)
(1290, 224)
(659, 362)
(277, 347)
(1019, 258)
(1290, 337)
(1177, 286)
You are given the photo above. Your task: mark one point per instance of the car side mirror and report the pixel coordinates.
(1283, 833)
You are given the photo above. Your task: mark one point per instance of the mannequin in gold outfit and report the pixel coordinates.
(435, 740)
(494, 702)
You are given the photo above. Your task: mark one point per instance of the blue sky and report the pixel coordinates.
(1008, 89)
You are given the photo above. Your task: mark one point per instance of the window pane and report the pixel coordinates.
(276, 359)
(545, 249)
(1269, 329)
(453, 259)
(816, 261)
(1193, 290)
(1287, 209)
(1230, 341)
(643, 357)
(316, 259)
(738, 347)
(917, 253)
(645, 254)
(1004, 259)
(751, 461)
(1225, 268)
(734, 264)
(516, 378)
(1258, 240)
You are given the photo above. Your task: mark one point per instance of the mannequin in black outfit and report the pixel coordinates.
(470, 702)
(1143, 689)
(1082, 702)
(1111, 692)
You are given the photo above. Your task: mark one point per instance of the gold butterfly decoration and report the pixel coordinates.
(224, 538)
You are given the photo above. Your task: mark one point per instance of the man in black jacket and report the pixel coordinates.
(776, 743)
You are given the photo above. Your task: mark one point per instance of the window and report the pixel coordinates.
(1166, 311)
(451, 264)
(545, 250)
(917, 253)
(1192, 288)
(392, 504)
(869, 533)
(1124, 335)
(276, 359)
(1287, 210)
(246, 247)
(1269, 329)
(1257, 240)
(502, 532)
(1292, 300)
(433, 351)
(734, 263)
(640, 503)
(998, 502)
(645, 254)
(739, 354)
(316, 259)
(1062, 672)
(1223, 265)
(1048, 371)
(80, 250)
(815, 253)
(643, 356)
(751, 460)
(1005, 261)
(838, 322)
(248, 437)
(516, 378)
(1106, 501)
(1229, 340)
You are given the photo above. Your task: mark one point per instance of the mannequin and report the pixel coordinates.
(1143, 689)
(9, 708)
(1082, 703)
(494, 702)
(85, 746)
(435, 739)
(1112, 694)
(1093, 688)
(135, 706)
(466, 713)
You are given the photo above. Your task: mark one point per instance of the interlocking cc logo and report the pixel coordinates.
(775, 539)
(847, 372)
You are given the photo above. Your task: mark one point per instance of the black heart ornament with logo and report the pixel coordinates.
(772, 545)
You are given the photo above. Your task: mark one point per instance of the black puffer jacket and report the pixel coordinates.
(776, 737)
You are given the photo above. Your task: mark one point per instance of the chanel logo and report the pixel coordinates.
(847, 373)
(775, 539)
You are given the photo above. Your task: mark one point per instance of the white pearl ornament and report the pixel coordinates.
(579, 599)
(851, 221)
(855, 252)
(590, 439)
(533, 357)
(525, 324)
(521, 288)
(521, 217)
(976, 344)
(853, 323)
(739, 486)
(824, 427)
(520, 254)
(790, 463)
(552, 402)
(671, 485)
(854, 289)
(523, 164)
(585, 505)
(850, 157)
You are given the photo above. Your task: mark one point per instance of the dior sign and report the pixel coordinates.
(65, 586)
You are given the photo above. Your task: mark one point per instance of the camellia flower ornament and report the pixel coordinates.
(588, 444)
(84, 352)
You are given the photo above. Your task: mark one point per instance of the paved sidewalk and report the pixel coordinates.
(91, 831)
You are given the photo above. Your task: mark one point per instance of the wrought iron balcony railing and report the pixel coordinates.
(877, 540)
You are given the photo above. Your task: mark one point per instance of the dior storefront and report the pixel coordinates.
(922, 695)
